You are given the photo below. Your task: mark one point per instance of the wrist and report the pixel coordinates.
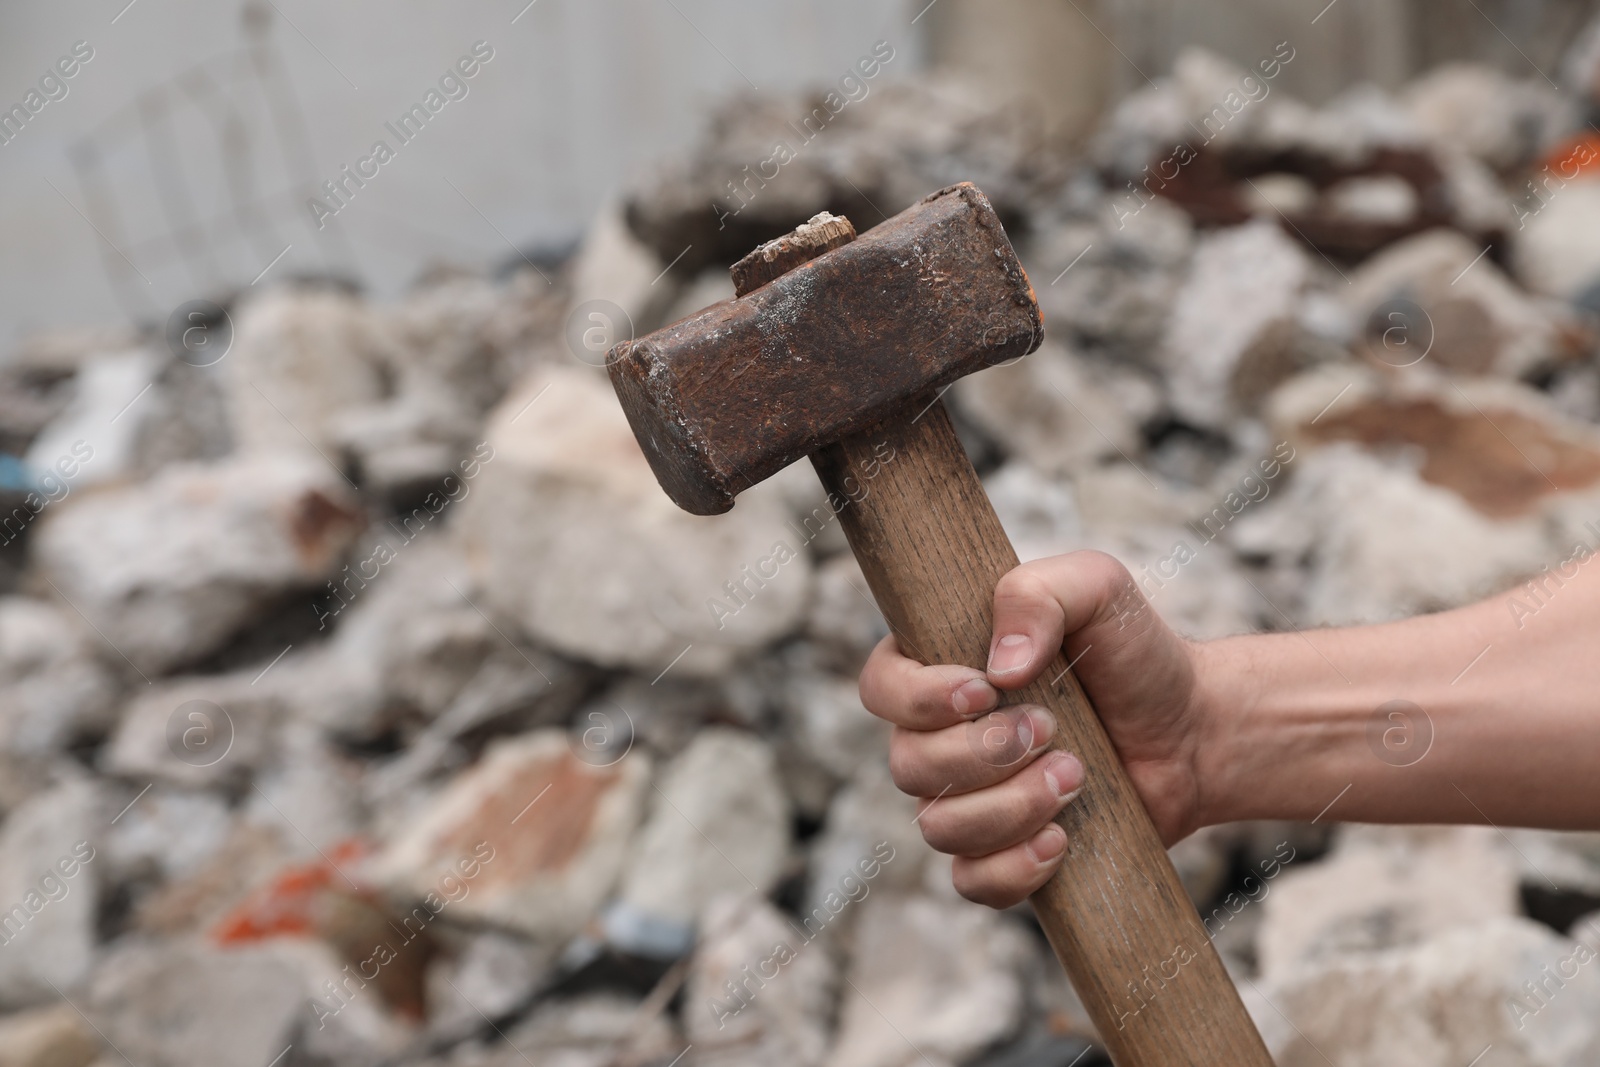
(1221, 706)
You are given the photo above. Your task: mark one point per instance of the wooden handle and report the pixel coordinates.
(932, 549)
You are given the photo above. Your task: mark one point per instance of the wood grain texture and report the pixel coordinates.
(932, 550)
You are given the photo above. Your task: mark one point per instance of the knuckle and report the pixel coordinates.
(972, 883)
(904, 762)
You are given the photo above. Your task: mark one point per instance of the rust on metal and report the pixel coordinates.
(736, 392)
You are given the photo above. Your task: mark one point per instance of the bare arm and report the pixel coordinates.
(1486, 714)
(1489, 713)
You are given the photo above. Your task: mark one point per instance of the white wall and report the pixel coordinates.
(579, 94)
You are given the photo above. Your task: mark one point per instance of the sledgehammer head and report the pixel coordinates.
(738, 391)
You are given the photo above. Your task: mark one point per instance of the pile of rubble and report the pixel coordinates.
(363, 700)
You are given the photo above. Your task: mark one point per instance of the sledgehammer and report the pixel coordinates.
(837, 348)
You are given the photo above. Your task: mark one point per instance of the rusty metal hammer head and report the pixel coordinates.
(808, 354)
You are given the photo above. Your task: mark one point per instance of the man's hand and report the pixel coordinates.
(990, 797)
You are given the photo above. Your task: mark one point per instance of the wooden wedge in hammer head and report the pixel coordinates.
(838, 347)
(816, 349)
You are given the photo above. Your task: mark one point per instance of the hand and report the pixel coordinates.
(991, 797)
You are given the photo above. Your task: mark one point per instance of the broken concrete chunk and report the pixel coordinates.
(570, 536)
(173, 568)
(545, 832)
(719, 822)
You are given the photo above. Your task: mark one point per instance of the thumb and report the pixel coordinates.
(1072, 602)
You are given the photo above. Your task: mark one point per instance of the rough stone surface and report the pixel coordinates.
(1386, 888)
(56, 690)
(559, 829)
(1047, 409)
(1472, 992)
(1233, 317)
(1472, 319)
(569, 532)
(171, 569)
(47, 924)
(194, 1006)
(718, 823)
(300, 358)
(759, 991)
(928, 978)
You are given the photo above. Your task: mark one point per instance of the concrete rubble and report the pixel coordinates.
(384, 710)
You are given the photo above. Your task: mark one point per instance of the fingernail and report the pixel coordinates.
(1042, 725)
(1047, 844)
(1064, 773)
(973, 698)
(1011, 653)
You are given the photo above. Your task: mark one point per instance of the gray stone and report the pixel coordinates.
(301, 359)
(759, 991)
(590, 1030)
(1475, 108)
(1551, 254)
(1234, 321)
(189, 1005)
(47, 915)
(1384, 888)
(1473, 319)
(719, 823)
(929, 981)
(1505, 992)
(53, 690)
(171, 569)
(495, 973)
(843, 619)
(559, 830)
(197, 731)
(450, 366)
(568, 530)
(166, 833)
(1047, 409)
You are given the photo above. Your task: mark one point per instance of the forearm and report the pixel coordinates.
(1510, 697)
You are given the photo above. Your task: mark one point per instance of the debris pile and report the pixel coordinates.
(363, 700)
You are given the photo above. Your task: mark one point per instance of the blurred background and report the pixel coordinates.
(363, 700)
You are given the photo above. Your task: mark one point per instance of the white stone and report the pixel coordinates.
(101, 424)
(1047, 409)
(1553, 253)
(171, 569)
(198, 731)
(1378, 198)
(47, 917)
(1475, 108)
(1242, 291)
(1383, 888)
(759, 991)
(1475, 319)
(558, 829)
(571, 536)
(190, 1005)
(613, 265)
(1388, 545)
(301, 359)
(869, 820)
(719, 823)
(928, 978)
(1505, 992)
(52, 689)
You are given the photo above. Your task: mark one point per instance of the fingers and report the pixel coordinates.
(1040, 603)
(1008, 813)
(919, 697)
(969, 755)
(1011, 875)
